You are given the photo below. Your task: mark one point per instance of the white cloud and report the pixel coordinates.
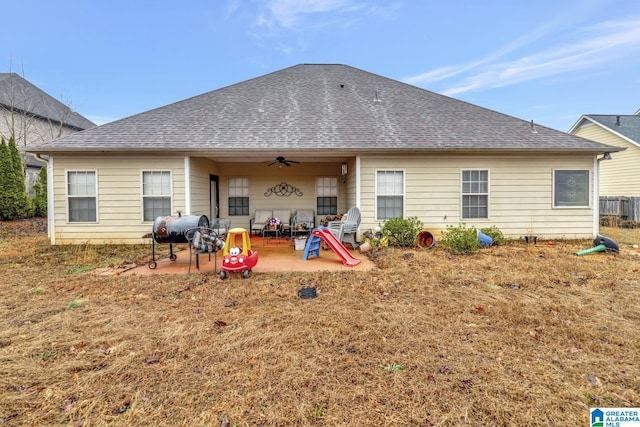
(297, 15)
(594, 46)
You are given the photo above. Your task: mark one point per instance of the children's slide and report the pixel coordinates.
(335, 245)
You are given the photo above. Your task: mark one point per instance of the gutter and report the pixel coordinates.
(50, 205)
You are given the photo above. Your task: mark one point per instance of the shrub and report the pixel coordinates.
(495, 234)
(460, 239)
(402, 231)
(40, 194)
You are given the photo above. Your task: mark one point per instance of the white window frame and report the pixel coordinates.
(70, 196)
(327, 191)
(143, 196)
(403, 195)
(245, 189)
(589, 188)
(487, 193)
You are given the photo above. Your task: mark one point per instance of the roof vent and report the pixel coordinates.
(617, 120)
(376, 98)
(341, 86)
(533, 129)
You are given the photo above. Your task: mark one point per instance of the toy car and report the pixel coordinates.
(238, 258)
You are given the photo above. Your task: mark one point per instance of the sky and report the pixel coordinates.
(546, 61)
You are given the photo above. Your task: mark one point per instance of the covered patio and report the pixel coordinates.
(275, 255)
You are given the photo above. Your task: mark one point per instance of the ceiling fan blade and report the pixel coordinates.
(286, 163)
(272, 163)
(293, 161)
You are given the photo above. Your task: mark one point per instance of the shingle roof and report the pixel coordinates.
(626, 125)
(320, 107)
(19, 94)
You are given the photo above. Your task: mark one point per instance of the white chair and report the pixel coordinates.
(259, 221)
(304, 219)
(347, 229)
(285, 220)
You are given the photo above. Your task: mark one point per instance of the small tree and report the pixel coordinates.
(14, 202)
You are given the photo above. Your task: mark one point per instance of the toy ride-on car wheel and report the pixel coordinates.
(246, 274)
(223, 274)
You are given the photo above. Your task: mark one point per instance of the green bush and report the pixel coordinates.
(14, 202)
(495, 234)
(402, 231)
(40, 194)
(460, 239)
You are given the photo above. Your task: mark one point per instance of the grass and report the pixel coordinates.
(513, 335)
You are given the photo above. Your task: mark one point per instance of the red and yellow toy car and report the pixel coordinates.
(238, 256)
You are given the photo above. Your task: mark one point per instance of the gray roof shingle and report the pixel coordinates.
(311, 107)
(626, 125)
(18, 94)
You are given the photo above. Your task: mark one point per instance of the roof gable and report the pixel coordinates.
(18, 94)
(625, 126)
(321, 107)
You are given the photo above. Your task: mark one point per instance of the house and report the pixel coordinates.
(359, 139)
(31, 116)
(620, 177)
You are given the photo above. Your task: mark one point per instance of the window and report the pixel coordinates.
(571, 188)
(238, 196)
(156, 194)
(81, 196)
(327, 196)
(475, 194)
(389, 194)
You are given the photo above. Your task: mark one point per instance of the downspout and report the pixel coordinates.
(596, 192)
(50, 204)
(358, 182)
(596, 197)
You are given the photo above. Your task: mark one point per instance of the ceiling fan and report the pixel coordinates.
(282, 161)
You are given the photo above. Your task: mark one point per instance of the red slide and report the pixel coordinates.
(335, 245)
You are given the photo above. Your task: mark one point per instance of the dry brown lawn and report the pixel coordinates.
(512, 335)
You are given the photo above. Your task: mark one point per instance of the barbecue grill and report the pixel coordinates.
(174, 230)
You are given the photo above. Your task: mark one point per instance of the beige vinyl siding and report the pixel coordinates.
(520, 193)
(619, 176)
(262, 177)
(199, 171)
(119, 198)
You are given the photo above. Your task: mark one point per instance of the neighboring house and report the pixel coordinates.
(621, 175)
(389, 148)
(32, 117)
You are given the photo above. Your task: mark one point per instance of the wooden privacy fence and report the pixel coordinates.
(624, 208)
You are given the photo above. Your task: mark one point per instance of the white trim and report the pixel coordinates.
(142, 195)
(596, 196)
(589, 191)
(607, 128)
(66, 196)
(488, 194)
(187, 185)
(358, 182)
(375, 191)
(51, 224)
(336, 195)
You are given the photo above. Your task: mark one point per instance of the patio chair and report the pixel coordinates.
(347, 229)
(259, 221)
(284, 215)
(221, 226)
(304, 219)
(203, 241)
